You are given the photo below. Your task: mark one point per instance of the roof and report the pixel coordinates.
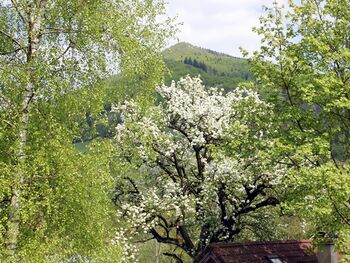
(293, 251)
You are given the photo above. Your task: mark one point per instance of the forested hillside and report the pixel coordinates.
(215, 69)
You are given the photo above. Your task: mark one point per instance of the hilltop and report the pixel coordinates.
(216, 69)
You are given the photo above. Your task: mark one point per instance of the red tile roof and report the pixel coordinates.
(296, 251)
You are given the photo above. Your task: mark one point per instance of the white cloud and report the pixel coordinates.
(221, 25)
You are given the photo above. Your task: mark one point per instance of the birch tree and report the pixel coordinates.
(53, 55)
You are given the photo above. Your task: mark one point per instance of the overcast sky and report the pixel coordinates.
(220, 25)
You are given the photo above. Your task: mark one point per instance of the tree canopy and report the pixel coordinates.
(302, 69)
(54, 201)
(195, 167)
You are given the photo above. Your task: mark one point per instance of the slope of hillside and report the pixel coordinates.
(216, 69)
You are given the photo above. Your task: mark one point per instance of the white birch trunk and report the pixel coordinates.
(34, 16)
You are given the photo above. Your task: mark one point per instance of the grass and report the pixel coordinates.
(152, 252)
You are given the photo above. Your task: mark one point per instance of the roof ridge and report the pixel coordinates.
(242, 243)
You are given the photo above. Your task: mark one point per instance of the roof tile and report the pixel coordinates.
(294, 251)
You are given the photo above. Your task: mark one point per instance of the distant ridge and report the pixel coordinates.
(216, 68)
(186, 44)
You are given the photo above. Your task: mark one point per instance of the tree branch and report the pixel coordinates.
(12, 39)
(166, 170)
(166, 240)
(342, 217)
(63, 53)
(10, 52)
(177, 166)
(267, 202)
(187, 240)
(222, 199)
(8, 123)
(133, 185)
(199, 162)
(18, 12)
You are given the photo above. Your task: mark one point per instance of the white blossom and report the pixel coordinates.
(186, 149)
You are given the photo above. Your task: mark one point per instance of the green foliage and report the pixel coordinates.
(65, 208)
(302, 69)
(55, 201)
(215, 69)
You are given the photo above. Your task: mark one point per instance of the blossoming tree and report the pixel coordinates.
(195, 166)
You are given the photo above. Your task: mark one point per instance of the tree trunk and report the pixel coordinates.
(34, 18)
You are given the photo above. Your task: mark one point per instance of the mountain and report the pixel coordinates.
(216, 69)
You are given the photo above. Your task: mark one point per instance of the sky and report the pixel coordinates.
(220, 25)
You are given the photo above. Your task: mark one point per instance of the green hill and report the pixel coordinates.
(215, 69)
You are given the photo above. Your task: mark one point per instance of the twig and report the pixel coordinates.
(10, 52)
(18, 11)
(12, 38)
